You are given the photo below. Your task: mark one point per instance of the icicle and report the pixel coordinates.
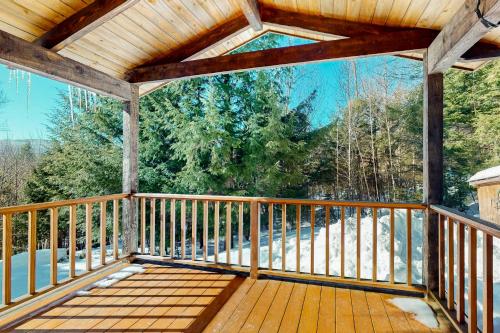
(70, 94)
(28, 91)
(17, 82)
(86, 101)
(80, 98)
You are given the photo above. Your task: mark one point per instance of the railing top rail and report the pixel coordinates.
(366, 204)
(476, 223)
(62, 203)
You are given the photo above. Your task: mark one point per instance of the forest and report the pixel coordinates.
(240, 134)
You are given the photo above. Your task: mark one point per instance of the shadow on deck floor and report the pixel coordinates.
(173, 299)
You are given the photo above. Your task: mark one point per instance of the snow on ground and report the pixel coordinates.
(421, 310)
(111, 279)
(20, 268)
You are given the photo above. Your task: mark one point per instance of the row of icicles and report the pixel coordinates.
(78, 97)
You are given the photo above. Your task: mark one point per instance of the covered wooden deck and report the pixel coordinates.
(173, 299)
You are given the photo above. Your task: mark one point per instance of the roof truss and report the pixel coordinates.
(461, 33)
(389, 43)
(17, 52)
(83, 22)
(250, 9)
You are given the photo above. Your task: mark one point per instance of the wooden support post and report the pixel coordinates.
(433, 170)
(130, 183)
(254, 239)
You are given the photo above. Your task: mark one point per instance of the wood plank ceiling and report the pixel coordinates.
(151, 29)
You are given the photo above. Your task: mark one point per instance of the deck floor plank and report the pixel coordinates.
(380, 320)
(309, 317)
(293, 310)
(326, 317)
(362, 318)
(175, 299)
(259, 312)
(241, 313)
(344, 318)
(273, 318)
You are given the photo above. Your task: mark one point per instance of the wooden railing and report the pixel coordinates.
(451, 293)
(33, 211)
(244, 217)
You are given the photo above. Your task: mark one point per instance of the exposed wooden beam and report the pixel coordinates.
(250, 9)
(204, 43)
(463, 31)
(339, 49)
(83, 22)
(321, 24)
(19, 53)
(482, 51)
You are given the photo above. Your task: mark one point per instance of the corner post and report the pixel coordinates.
(130, 173)
(433, 169)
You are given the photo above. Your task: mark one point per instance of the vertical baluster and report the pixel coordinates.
(327, 240)
(358, 243)
(254, 238)
(487, 283)
(451, 264)
(460, 273)
(194, 227)
(32, 252)
(391, 247)
(172, 228)
(183, 229)
(342, 242)
(6, 258)
(216, 231)
(152, 227)
(374, 244)
(163, 219)
(205, 229)
(228, 233)
(271, 232)
(72, 240)
(103, 232)
(313, 220)
(442, 264)
(472, 315)
(54, 218)
(283, 237)
(240, 234)
(115, 228)
(143, 225)
(297, 247)
(88, 235)
(408, 248)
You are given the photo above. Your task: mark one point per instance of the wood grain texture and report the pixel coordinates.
(6, 258)
(18, 53)
(285, 56)
(82, 22)
(250, 9)
(460, 34)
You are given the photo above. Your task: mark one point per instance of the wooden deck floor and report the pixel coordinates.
(168, 299)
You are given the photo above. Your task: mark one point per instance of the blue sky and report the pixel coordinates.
(27, 110)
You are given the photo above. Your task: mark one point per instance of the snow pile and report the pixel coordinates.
(111, 279)
(421, 310)
(82, 293)
(350, 233)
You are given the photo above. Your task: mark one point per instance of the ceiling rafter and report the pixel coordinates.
(82, 22)
(389, 43)
(250, 9)
(461, 33)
